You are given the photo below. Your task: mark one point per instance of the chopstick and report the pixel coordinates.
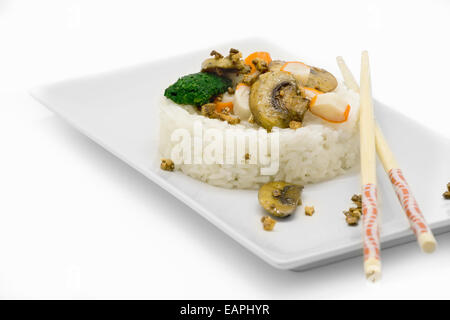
(425, 237)
(371, 237)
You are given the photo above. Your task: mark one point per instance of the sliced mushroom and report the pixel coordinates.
(232, 66)
(321, 79)
(276, 100)
(229, 64)
(261, 67)
(280, 198)
(250, 78)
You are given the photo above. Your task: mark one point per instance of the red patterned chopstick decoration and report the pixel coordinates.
(412, 210)
(371, 236)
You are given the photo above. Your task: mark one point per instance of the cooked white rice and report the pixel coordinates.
(316, 152)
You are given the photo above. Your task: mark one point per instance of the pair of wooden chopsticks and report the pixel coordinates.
(371, 139)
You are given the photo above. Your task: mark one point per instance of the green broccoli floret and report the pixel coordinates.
(197, 89)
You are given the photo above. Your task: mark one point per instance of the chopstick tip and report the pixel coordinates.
(427, 242)
(372, 269)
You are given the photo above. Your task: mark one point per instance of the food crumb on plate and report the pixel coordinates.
(446, 194)
(167, 164)
(352, 215)
(309, 211)
(268, 223)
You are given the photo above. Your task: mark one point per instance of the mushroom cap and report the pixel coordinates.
(321, 79)
(219, 63)
(276, 99)
(280, 198)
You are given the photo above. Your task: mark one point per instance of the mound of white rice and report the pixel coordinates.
(316, 152)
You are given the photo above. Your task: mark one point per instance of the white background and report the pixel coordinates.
(75, 222)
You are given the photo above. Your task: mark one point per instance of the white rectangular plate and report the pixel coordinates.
(119, 111)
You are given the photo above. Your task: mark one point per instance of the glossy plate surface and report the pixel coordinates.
(119, 111)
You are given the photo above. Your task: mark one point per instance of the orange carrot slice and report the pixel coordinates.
(260, 54)
(220, 106)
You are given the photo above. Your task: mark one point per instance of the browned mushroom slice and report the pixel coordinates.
(261, 67)
(231, 63)
(321, 80)
(232, 66)
(276, 100)
(280, 198)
